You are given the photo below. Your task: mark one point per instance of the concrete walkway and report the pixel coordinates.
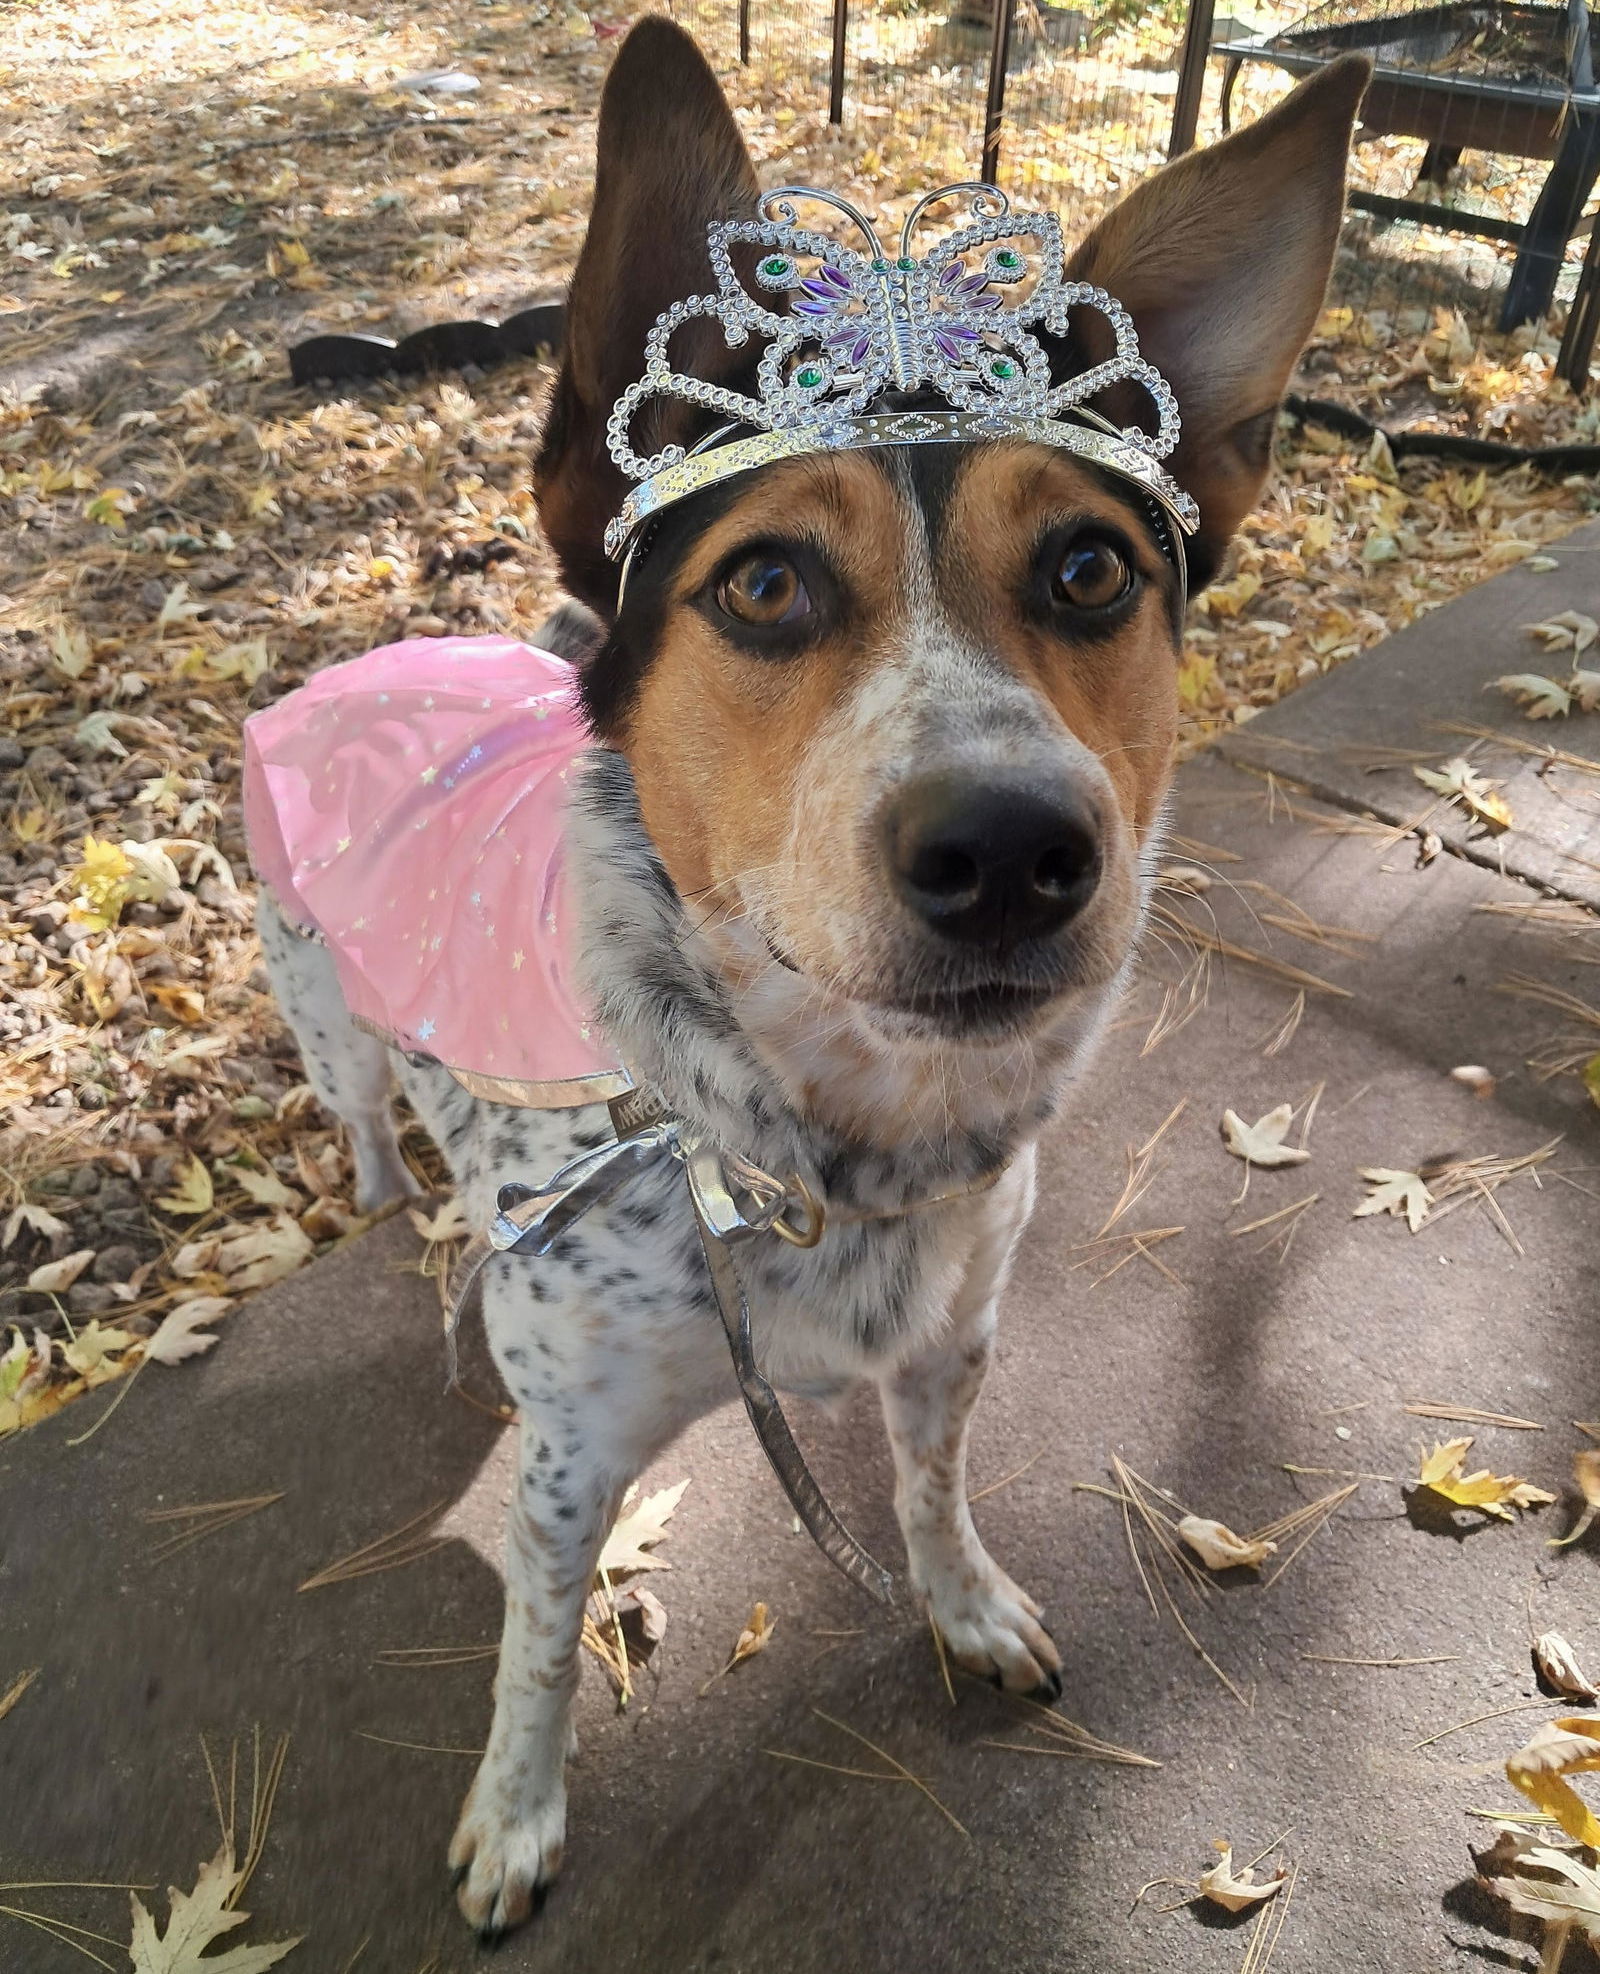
(692, 1848)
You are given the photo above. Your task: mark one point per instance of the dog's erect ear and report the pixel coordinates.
(670, 162)
(1222, 259)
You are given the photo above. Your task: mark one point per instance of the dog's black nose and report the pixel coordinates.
(992, 860)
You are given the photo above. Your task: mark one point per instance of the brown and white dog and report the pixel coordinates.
(864, 849)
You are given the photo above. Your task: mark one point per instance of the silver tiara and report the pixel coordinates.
(859, 325)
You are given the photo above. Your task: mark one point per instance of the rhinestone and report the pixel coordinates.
(906, 264)
(809, 378)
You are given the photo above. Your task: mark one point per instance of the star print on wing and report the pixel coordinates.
(516, 960)
(426, 1028)
(429, 775)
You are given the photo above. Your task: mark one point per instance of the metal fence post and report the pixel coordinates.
(744, 33)
(994, 109)
(1191, 76)
(841, 24)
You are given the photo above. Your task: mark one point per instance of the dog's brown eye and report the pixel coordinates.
(763, 588)
(1090, 575)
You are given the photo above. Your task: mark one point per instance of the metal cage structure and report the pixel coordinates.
(1477, 154)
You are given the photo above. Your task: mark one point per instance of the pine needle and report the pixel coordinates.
(205, 1518)
(899, 1768)
(434, 1655)
(1140, 1173)
(62, 1930)
(1287, 1028)
(1461, 1726)
(1005, 1480)
(393, 1551)
(1469, 1415)
(939, 1654)
(1280, 969)
(1333, 1659)
(16, 1689)
(416, 1747)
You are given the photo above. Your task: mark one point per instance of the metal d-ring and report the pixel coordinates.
(816, 1220)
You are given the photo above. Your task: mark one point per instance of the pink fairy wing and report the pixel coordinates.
(408, 808)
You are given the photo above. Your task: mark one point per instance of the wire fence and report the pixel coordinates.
(1473, 178)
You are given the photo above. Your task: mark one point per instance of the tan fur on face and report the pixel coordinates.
(761, 779)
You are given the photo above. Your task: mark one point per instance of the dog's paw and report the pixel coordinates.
(991, 1627)
(505, 1859)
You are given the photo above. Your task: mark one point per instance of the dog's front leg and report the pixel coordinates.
(508, 1843)
(989, 1624)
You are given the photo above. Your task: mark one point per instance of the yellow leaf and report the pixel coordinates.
(1400, 1193)
(1195, 677)
(177, 1337)
(1558, 1665)
(92, 1344)
(193, 1192)
(1569, 1746)
(1262, 1143)
(754, 1636)
(293, 254)
(262, 500)
(263, 1255)
(1461, 784)
(1490, 1494)
(108, 508)
(1228, 599)
(1591, 1078)
(187, 1003)
(198, 1919)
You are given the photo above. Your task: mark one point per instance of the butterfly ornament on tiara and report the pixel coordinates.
(845, 329)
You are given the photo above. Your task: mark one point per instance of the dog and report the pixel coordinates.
(862, 852)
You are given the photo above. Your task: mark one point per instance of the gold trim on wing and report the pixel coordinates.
(561, 1093)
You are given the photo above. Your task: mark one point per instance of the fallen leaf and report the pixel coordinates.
(1565, 1893)
(1400, 1193)
(450, 1223)
(1585, 690)
(754, 1637)
(261, 1183)
(1567, 630)
(199, 1918)
(52, 1277)
(1474, 1078)
(185, 1002)
(1234, 1891)
(178, 1335)
(1491, 1494)
(263, 1255)
(1461, 784)
(1539, 697)
(1219, 1548)
(37, 1219)
(192, 1194)
(1586, 1472)
(1262, 1143)
(89, 1348)
(1568, 1746)
(1558, 1665)
(636, 1530)
(328, 1219)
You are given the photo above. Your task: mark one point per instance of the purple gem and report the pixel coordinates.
(985, 302)
(862, 345)
(950, 343)
(813, 308)
(823, 290)
(840, 337)
(973, 285)
(951, 273)
(839, 283)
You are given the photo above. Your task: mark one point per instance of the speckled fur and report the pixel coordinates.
(611, 1345)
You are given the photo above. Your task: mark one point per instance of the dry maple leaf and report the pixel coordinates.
(37, 1219)
(450, 1223)
(1540, 698)
(1491, 1494)
(1400, 1193)
(52, 1277)
(1558, 1665)
(1568, 1746)
(1236, 1890)
(1262, 1143)
(192, 1194)
(92, 1345)
(1586, 1472)
(199, 1918)
(753, 1638)
(1543, 1880)
(1568, 629)
(1219, 1548)
(1585, 690)
(1459, 782)
(264, 1254)
(626, 1545)
(178, 1336)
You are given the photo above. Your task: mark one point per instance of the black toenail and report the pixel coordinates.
(1048, 1691)
(457, 1873)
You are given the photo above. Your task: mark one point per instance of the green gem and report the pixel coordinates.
(1007, 259)
(808, 379)
(880, 267)
(776, 266)
(906, 264)
(1003, 367)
